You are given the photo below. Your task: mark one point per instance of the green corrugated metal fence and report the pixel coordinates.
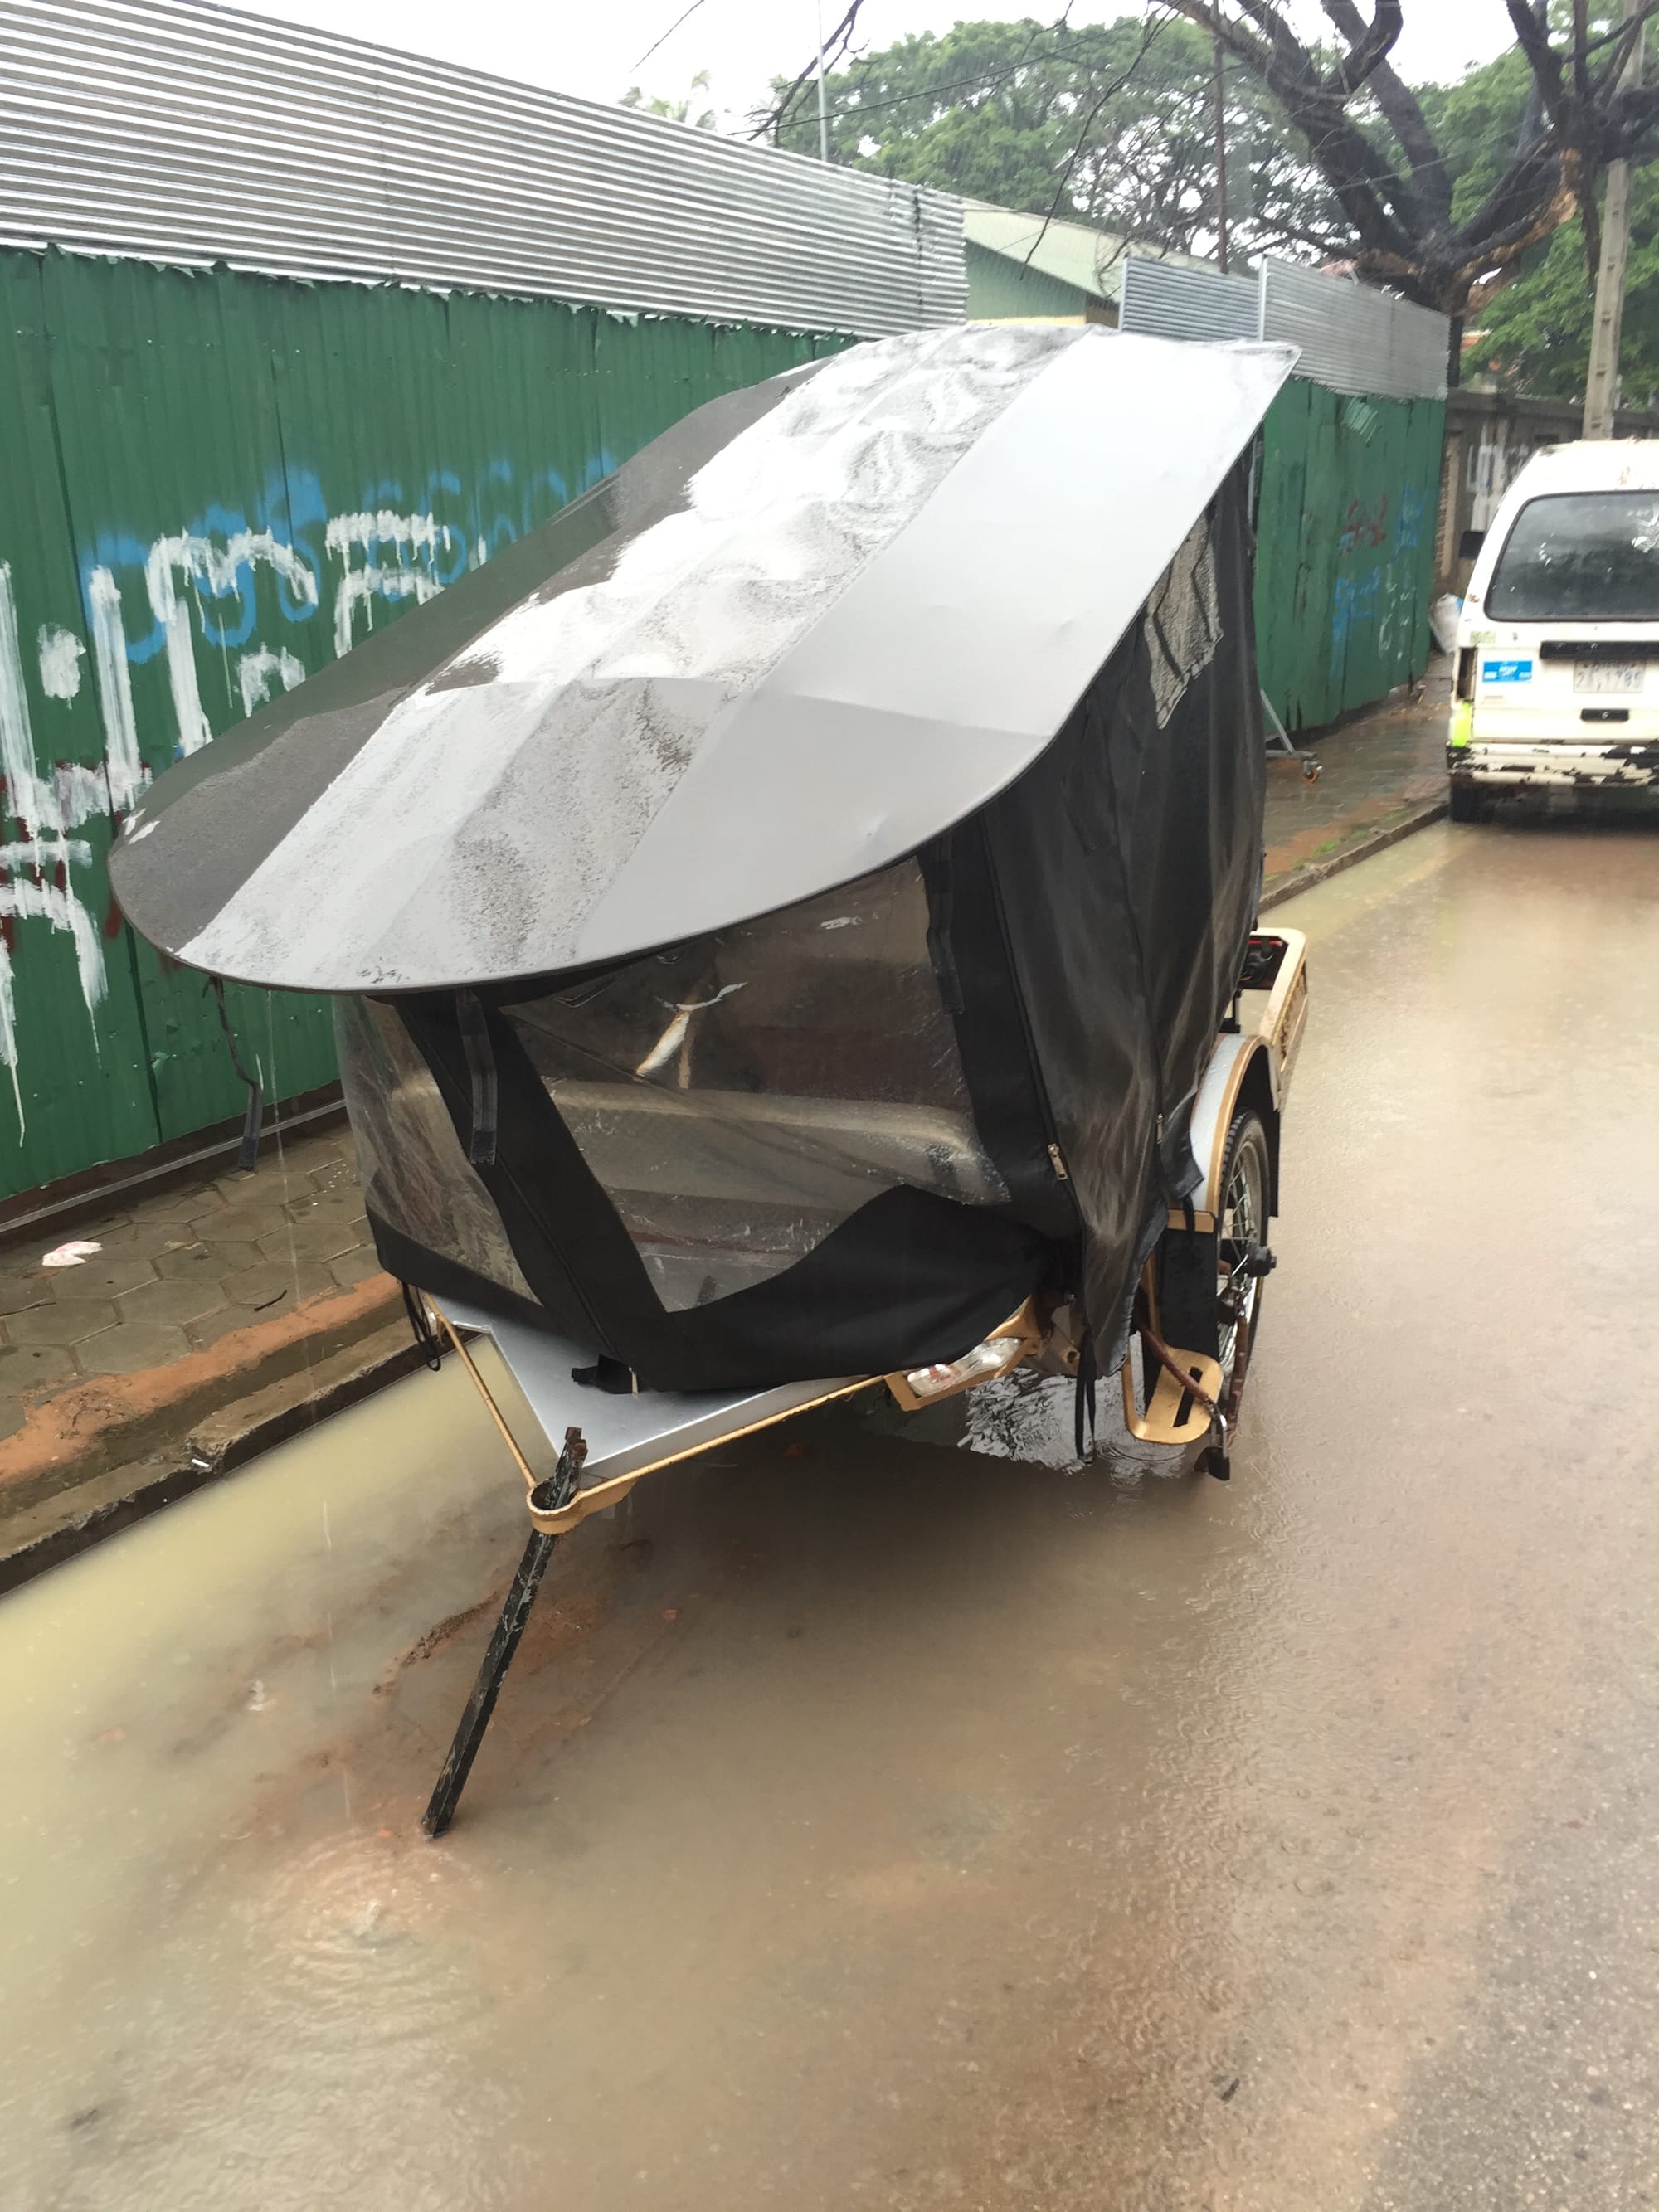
(1344, 565)
(209, 484)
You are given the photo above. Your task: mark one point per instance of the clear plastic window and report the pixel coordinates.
(738, 1096)
(415, 1173)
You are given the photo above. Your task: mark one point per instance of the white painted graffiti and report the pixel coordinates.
(185, 582)
(416, 539)
(218, 567)
(34, 878)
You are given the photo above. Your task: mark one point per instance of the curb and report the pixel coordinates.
(1377, 840)
(69, 1437)
(220, 1441)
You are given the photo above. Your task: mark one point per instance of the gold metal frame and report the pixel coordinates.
(1159, 1423)
(1024, 1326)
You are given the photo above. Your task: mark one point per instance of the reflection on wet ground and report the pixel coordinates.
(871, 1819)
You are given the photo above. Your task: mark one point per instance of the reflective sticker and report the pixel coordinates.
(1506, 672)
(1463, 723)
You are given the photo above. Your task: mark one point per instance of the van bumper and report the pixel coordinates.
(1552, 767)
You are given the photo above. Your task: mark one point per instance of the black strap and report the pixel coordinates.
(420, 1321)
(608, 1374)
(481, 1068)
(247, 1156)
(1087, 1372)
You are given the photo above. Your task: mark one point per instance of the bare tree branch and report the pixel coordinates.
(1580, 115)
(1365, 53)
(1378, 203)
(1431, 177)
(1148, 32)
(771, 124)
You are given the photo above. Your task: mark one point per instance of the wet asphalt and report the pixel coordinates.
(880, 1820)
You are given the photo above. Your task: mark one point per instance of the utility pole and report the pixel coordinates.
(1602, 388)
(1221, 163)
(823, 112)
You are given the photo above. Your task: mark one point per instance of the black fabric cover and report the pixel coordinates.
(1086, 931)
(909, 1278)
(1128, 864)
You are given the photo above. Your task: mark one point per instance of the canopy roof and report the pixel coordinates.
(803, 632)
(1074, 254)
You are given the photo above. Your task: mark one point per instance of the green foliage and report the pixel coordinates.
(1534, 334)
(677, 110)
(1121, 129)
(1477, 123)
(997, 110)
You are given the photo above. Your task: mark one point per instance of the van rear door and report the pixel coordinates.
(1573, 614)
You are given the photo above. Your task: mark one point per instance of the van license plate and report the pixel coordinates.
(1606, 675)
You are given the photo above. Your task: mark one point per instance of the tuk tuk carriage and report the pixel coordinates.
(791, 919)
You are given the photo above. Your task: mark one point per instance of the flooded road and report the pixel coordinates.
(870, 1822)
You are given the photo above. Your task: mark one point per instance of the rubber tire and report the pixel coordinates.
(1467, 804)
(1246, 1128)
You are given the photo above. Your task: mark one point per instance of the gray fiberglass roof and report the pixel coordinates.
(804, 631)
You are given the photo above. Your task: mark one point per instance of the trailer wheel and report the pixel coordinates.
(1241, 1252)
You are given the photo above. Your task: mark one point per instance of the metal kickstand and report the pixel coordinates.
(547, 1498)
(1280, 748)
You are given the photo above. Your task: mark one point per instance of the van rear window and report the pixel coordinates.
(1581, 556)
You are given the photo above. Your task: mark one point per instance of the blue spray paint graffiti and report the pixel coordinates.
(246, 586)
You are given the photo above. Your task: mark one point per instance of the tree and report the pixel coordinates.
(1533, 332)
(1371, 139)
(1112, 125)
(675, 111)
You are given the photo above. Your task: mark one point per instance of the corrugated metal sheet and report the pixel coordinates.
(1164, 300)
(1351, 338)
(213, 483)
(1354, 339)
(1344, 568)
(193, 134)
(1350, 472)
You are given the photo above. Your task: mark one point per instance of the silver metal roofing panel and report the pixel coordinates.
(627, 1432)
(1354, 339)
(806, 630)
(194, 134)
(1349, 337)
(1162, 300)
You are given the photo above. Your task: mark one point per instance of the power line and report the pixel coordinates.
(668, 33)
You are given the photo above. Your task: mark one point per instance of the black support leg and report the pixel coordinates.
(548, 1496)
(485, 1691)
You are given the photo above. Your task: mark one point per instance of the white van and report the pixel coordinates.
(1558, 647)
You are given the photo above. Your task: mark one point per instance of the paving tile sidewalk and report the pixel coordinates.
(1381, 773)
(123, 1372)
(195, 1296)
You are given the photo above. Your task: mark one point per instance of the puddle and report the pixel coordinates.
(870, 1821)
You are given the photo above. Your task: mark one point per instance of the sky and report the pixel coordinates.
(598, 47)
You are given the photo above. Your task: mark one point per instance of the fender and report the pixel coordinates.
(1249, 1067)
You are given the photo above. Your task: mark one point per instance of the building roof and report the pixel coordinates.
(1073, 253)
